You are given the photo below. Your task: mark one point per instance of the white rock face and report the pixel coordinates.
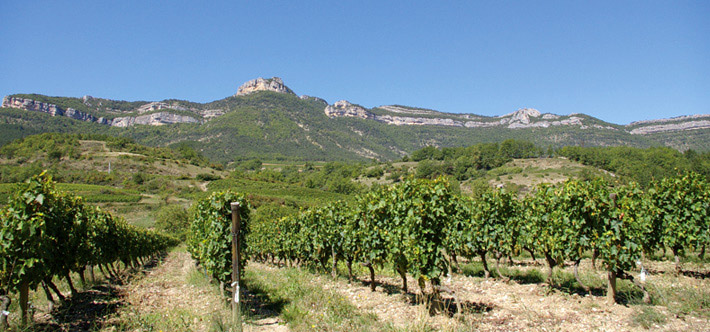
(54, 110)
(208, 114)
(690, 125)
(260, 84)
(522, 118)
(404, 110)
(344, 108)
(154, 119)
(523, 115)
(159, 105)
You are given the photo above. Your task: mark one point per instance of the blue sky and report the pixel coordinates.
(619, 61)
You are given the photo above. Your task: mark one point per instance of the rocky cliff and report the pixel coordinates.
(274, 84)
(688, 122)
(54, 110)
(522, 118)
(152, 119)
(106, 112)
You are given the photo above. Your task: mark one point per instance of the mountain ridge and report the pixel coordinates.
(267, 114)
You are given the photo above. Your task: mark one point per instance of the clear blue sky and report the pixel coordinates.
(619, 60)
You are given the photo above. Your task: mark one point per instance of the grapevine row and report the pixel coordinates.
(420, 227)
(210, 240)
(46, 233)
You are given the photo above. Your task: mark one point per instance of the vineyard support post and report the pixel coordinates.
(24, 297)
(236, 225)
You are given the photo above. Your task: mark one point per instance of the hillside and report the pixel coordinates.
(266, 119)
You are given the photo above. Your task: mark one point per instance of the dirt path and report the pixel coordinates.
(174, 295)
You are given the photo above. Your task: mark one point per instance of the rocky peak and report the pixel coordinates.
(260, 84)
(523, 115)
(159, 105)
(345, 108)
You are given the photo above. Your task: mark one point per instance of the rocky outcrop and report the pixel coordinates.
(212, 113)
(406, 110)
(320, 100)
(153, 119)
(659, 128)
(522, 118)
(54, 110)
(159, 105)
(344, 108)
(674, 119)
(260, 84)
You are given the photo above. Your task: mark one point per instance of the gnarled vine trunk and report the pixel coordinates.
(486, 271)
(50, 299)
(403, 274)
(350, 270)
(551, 263)
(611, 289)
(576, 276)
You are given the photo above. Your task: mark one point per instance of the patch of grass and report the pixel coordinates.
(647, 317)
(523, 276)
(682, 299)
(307, 307)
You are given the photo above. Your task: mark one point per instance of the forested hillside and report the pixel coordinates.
(278, 126)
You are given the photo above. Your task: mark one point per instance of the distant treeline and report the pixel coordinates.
(470, 162)
(58, 145)
(626, 163)
(640, 165)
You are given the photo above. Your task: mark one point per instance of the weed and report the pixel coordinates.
(647, 317)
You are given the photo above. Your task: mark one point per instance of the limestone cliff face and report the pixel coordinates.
(54, 110)
(153, 119)
(689, 122)
(522, 118)
(344, 108)
(260, 84)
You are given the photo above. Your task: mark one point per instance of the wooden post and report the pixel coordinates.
(236, 225)
(24, 297)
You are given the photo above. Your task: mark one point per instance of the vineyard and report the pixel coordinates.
(46, 233)
(420, 228)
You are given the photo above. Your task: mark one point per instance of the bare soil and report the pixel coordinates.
(495, 305)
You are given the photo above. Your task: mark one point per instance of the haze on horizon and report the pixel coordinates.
(619, 62)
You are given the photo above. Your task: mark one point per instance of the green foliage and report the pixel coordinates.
(681, 212)
(640, 165)
(466, 163)
(45, 233)
(210, 240)
(274, 126)
(207, 177)
(174, 220)
(374, 172)
(622, 235)
(251, 165)
(399, 224)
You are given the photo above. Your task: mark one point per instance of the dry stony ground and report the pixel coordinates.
(173, 296)
(494, 305)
